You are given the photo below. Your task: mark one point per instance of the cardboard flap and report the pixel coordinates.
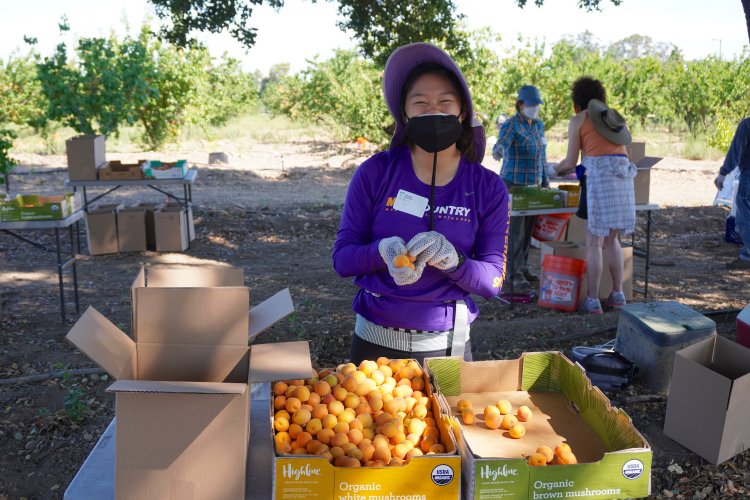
(178, 277)
(146, 386)
(647, 162)
(489, 376)
(194, 363)
(105, 344)
(268, 312)
(192, 315)
(282, 361)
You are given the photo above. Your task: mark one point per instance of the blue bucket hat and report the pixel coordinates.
(530, 95)
(397, 69)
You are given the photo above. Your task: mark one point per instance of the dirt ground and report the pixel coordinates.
(275, 213)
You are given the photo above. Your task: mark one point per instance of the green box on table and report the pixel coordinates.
(33, 207)
(614, 459)
(535, 198)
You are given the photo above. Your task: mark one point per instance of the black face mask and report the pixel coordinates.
(434, 133)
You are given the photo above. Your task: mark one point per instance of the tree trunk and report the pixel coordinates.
(746, 8)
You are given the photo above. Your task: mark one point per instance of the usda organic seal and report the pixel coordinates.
(632, 469)
(442, 475)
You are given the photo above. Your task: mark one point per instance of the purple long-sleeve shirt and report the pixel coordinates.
(471, 211)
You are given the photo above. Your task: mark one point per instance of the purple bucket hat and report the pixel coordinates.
(400, 63)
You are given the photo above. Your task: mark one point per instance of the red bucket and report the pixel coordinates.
(550, 227)
(560, 285)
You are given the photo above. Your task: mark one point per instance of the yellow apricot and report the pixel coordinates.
(537, 459)
(517, 431)
(509, 421)
(523, 413)
(549, 455)
(504, 406)
(467, 416)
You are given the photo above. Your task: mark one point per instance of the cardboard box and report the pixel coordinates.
(709, 399)
(573, 191)
(429, 477)
(30, 207)
(118, 171)
(533, 198)
(577, 250)
(85, 154)
(576, 230)
(614, 460)
(182, 389)
(166, 170)
(150, 208)
(171, 229)
(131, 229)
(101, 229)
(642, 181)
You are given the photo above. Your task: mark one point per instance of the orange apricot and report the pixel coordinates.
(467, 416)
(523, 413)
(566, 457)
(549, 455)
(504, 406)
(537, 459)
(403, 261)
(279, 388)
(517, 431)
(509, 421)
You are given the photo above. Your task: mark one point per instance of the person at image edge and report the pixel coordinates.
(739, 156)
(427, 197)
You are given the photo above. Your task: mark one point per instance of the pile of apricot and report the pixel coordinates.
(498, 416)
(375, 414)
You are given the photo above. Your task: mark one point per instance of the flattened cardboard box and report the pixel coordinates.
(708, 408)
(614, 458)
(428, 477)
(577, 250)
(182, 393)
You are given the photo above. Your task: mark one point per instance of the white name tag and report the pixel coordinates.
(410, 203)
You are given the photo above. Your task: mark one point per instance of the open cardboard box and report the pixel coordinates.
(428, 477)
(614, 458)
(182, 382)
(708, 408)
(642, 181)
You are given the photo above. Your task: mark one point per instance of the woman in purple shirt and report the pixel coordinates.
(427, 195)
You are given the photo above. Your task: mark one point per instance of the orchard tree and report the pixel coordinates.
(379, 25)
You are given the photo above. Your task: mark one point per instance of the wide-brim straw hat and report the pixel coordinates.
(397, 69)
(609, 123)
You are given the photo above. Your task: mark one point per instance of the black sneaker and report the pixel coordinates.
(738, 263)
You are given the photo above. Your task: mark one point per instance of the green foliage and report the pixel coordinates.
(381, 26)
(185, 16)
(23, 102)
(589, 5)
(142, 80)
(74, 406)
(344, 93)
(6, 162)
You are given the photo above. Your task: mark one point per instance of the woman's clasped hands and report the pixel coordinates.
(426, 248)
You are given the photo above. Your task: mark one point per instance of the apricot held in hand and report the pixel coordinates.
(405, 260)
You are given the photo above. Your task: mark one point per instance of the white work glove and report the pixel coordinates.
(433, 248)
(550, 169)
(389, 249)
(719, 182)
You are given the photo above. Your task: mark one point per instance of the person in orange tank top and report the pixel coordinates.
(599, 135)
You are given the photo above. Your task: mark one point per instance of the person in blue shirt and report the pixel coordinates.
(523, 148)
(739, 156)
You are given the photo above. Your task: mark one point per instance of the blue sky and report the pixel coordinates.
(301, 30)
